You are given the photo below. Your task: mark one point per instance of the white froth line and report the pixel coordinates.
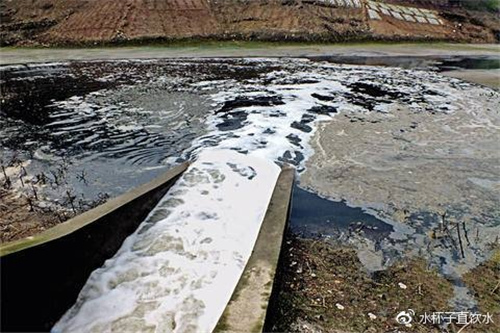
(229, 215)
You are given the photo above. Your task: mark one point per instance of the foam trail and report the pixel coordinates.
(177, 272)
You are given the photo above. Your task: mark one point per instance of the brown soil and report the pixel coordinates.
(275, 21)
(323, 288)
(25, 209)
(112, 20)
(19, 218)
(89, 22)
(392, 27)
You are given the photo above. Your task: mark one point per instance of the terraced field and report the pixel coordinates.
(49, 22)
(116, 20)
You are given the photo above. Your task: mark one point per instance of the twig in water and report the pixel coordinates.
(4, 173)
(23, 171)
(452, 240)
(82, 177)
(443, 221)
(71, 199)
(7, 183)
(34, 191)
(22, 174)
(460, 241)
(465, 233)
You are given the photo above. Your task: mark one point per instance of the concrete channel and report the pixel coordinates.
(253, 295)
(41, 276)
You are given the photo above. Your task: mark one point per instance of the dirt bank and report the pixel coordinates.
(324, 288)
(25, 207)
(19, 218)
(90, 22)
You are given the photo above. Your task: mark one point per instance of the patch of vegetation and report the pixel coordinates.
(326, 288)
(484, 281)
(482, 5)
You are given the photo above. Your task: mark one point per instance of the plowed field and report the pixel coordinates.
(75, 22)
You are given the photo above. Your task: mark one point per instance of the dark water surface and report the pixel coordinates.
(313, 216)
(115, 120)
(439, 63)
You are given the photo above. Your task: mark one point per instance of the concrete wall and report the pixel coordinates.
(41, 276)
(247, 309)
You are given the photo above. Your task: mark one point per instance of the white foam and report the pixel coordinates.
(433, 21)
(183, 262)
(177, 272)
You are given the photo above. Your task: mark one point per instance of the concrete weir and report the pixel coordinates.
(252, 297)
(41, 276)
(53, 278)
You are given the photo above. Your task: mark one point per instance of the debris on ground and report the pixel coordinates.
(344, 297)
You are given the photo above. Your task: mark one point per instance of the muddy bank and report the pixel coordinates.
(20, 219)
(484, 281)
(432, 174)
(366, 53)
(323, 287)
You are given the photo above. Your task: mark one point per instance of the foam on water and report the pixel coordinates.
(177, 272)
(275, 115)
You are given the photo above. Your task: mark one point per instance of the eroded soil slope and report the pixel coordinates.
(87, 22)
